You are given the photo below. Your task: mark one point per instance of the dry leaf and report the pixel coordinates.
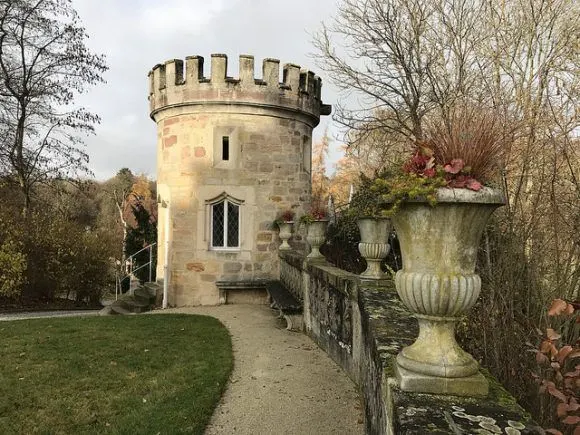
(558, 306)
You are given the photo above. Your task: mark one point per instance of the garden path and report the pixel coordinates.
(282, 382)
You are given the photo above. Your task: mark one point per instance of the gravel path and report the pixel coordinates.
(282, 382)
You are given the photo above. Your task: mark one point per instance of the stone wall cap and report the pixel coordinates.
(486, 195)
(178, 83)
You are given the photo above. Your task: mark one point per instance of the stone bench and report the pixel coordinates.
(289, 307)
(244, 291)
(279, 298)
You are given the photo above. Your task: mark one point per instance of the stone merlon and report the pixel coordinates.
(176, 83)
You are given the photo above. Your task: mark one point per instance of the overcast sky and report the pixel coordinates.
(137, 34)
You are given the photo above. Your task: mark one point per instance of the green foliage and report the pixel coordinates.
(398, 188)
(57, 257)
(343, 237)
(367, 201)
(142, 234)
(12, 268)
(116, 375)
(382, 195)
(341, 246)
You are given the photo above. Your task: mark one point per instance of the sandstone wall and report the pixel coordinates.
(268, 123)
(266, 171)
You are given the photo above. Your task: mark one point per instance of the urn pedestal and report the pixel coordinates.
(374, 244)
(316, 235)
(285, 234)
(438, 284)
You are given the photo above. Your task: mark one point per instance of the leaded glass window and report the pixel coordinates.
(225, 222)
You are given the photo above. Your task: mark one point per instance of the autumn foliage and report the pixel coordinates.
(558, 358)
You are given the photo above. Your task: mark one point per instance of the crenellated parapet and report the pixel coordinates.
(177, 83)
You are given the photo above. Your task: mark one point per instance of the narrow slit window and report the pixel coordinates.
(225, 148)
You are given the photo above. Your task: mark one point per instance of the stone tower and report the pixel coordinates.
(232, 153)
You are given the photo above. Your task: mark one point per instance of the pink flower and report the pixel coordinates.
(429, 173)
(473, 184)
(455, 166)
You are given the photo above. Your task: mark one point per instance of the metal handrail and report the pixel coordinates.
(132, 271)
(141, 250)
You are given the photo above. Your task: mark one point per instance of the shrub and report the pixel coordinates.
(45, 257)
(12, 269)
(142, 234)
(558, 373)
(343, 237)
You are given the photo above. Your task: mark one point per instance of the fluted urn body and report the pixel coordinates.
(438, 284)
(285, 234)
(374, 244)
(316, 235)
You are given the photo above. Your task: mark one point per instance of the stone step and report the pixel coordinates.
(118, 309)
(153, 288)
(144, 293)
(153, 285)
(142, 299)
(106, 311)
(135, 301)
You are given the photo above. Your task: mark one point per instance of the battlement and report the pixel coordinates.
(179, 83)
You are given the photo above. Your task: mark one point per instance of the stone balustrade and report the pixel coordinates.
(363, 325)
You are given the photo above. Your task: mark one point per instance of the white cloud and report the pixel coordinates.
(179, 17)
(137, 34)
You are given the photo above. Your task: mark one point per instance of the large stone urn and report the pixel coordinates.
(315, 235)
(285, 234)
(438, 284)
(374, 244)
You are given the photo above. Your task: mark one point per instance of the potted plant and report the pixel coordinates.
(439, 206)
(374, 227)
(316, 222)
(285, 221)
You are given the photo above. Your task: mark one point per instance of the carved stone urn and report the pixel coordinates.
(285, 234)
(315, 235)
(374, 246)
(438, 284)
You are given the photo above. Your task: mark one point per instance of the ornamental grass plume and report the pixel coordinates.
(470, 143)
(463, 151)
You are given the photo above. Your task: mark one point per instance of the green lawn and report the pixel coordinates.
(121, 374)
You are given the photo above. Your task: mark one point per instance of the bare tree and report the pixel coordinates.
(44, 64)
(320, 181)
(402, 59)
(410, 61)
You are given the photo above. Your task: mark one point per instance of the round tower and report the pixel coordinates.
(232, 153)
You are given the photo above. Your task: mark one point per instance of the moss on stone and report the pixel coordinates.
(498, 394)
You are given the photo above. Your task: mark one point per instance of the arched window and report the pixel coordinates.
(224, 222)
